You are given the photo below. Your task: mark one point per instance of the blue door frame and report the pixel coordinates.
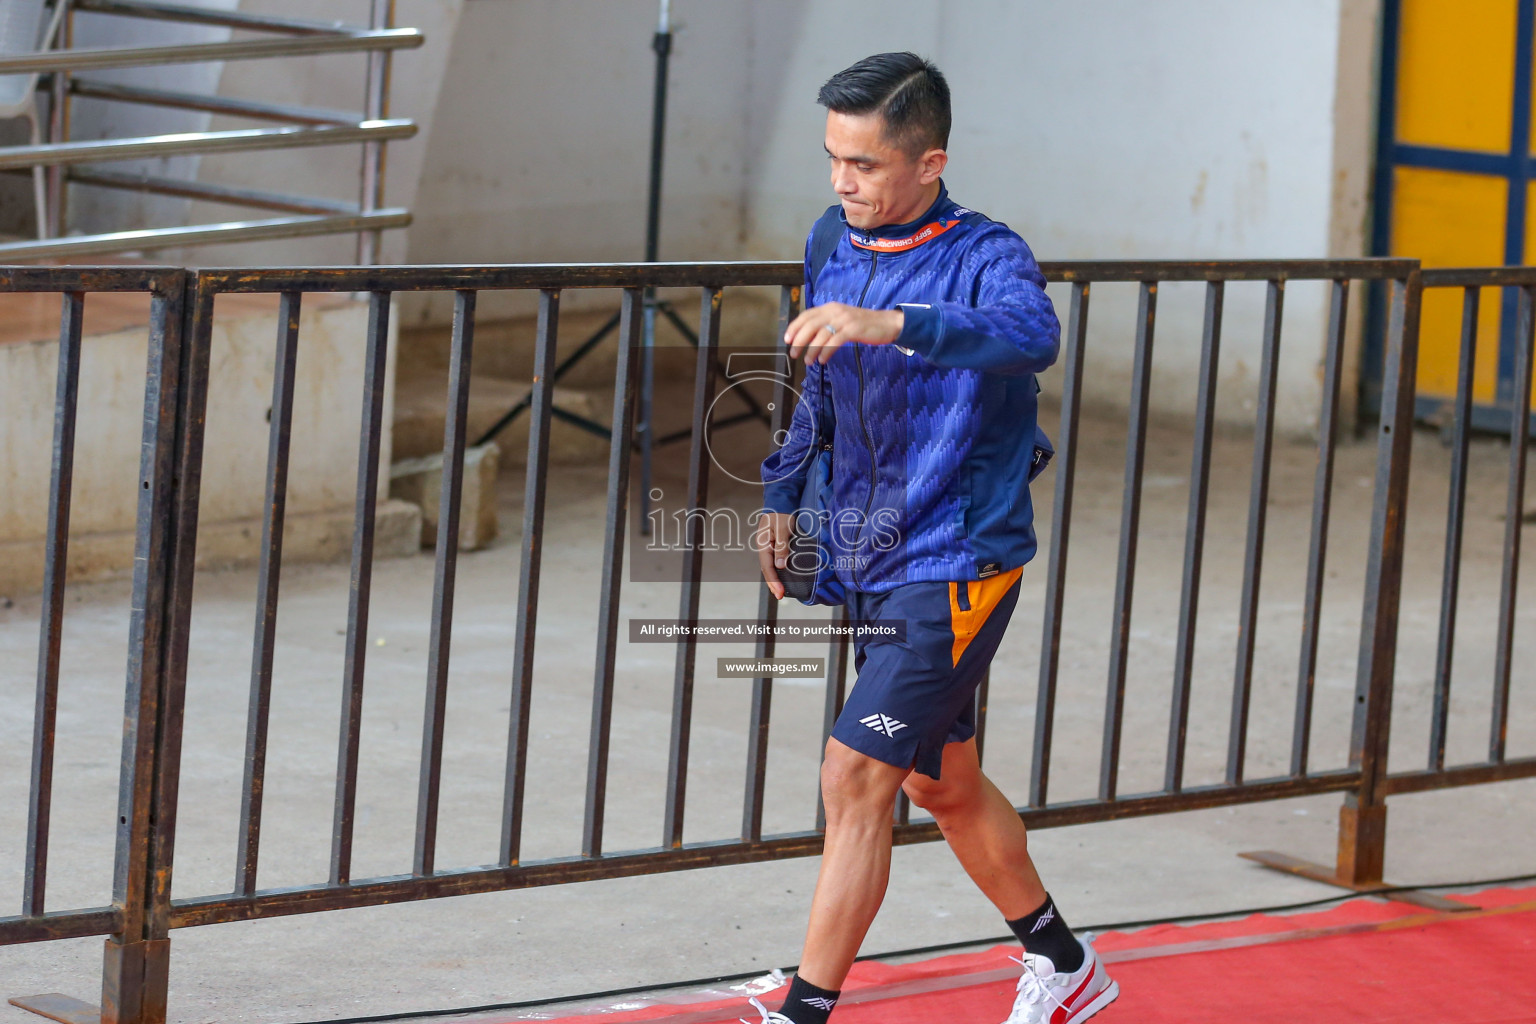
(1517, 166)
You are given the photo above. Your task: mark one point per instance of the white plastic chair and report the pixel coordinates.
(27, 27)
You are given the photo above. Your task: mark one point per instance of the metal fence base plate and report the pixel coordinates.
(1318, 873)
(59, 1007)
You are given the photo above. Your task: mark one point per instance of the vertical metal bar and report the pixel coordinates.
(645, 437)
(1061, 528)
(762, 701)
(1258, 511)
(694, 540)
(1194, 535)
(55, 566)
(1514, 515)
(362, 582)
(274, 509)
(59, 102)
(1515, 195)
(1317, 552)
(1130, 525)
(168, 505)
(140, 722)
(449, 512)
(1456, 515)
(375, 107)
(768, 615)
(535, 490)
(135, 969)
(1363, 819)
(613, 568)
(837, 693)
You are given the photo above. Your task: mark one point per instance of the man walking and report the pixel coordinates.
(923, 329)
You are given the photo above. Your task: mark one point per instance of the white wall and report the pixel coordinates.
(539, 147)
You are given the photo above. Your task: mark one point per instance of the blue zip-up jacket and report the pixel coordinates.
(935, 434)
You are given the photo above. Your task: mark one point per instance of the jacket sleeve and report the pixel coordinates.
(784, 472)
(1011, 326)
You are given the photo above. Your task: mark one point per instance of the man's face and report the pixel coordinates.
(879, 183)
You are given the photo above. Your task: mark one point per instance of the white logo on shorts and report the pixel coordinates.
(883, 724)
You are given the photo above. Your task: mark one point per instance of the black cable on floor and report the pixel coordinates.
(527, 1004)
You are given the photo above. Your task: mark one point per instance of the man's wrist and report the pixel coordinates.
(921, 326)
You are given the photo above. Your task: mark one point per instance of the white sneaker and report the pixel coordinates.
(1048, 996)
(769, 1017)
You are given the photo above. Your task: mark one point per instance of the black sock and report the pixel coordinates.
(1044, 933)
(807, 1004)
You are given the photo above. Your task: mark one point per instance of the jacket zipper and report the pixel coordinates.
(858, 362)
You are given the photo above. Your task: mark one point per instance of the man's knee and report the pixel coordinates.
(942, 795)
(958, 787)
(849, 778)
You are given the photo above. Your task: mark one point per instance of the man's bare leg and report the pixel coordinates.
(982, 828)
(859, 793)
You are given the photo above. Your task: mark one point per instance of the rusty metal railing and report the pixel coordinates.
(144, 909)
(1498, 765)
(135, 921)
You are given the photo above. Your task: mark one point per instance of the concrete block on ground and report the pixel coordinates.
(420, 481)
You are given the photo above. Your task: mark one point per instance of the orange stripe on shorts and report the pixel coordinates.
(982, 596)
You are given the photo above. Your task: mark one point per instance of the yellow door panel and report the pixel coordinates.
(1456, 73)
(1451, 219)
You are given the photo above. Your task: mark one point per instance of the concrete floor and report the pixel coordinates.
(563, 941)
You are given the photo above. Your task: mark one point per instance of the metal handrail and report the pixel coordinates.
(196, 53)
(300, 126)
(284, 112)
(200, 234)
(260, 199)
(219, 19)
(54, 154)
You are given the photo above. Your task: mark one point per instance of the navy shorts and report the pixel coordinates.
(916, 693)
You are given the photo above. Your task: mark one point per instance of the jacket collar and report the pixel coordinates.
(892, 238)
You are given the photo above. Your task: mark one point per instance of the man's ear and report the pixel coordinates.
(932, 162)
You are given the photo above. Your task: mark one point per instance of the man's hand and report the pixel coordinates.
(819, 331)
(773, 549)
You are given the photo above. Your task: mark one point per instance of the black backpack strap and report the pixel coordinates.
(824, 238)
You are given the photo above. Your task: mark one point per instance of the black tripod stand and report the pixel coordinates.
(644, 440)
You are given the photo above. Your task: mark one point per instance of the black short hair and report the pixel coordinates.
(908, 92)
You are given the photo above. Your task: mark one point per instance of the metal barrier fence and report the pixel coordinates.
(136, 920)
(1498, 765)
(144, 911)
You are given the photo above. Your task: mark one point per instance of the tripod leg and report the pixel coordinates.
(688, 332)
(569, 361)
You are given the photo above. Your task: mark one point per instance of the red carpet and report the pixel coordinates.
(1365, 961)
